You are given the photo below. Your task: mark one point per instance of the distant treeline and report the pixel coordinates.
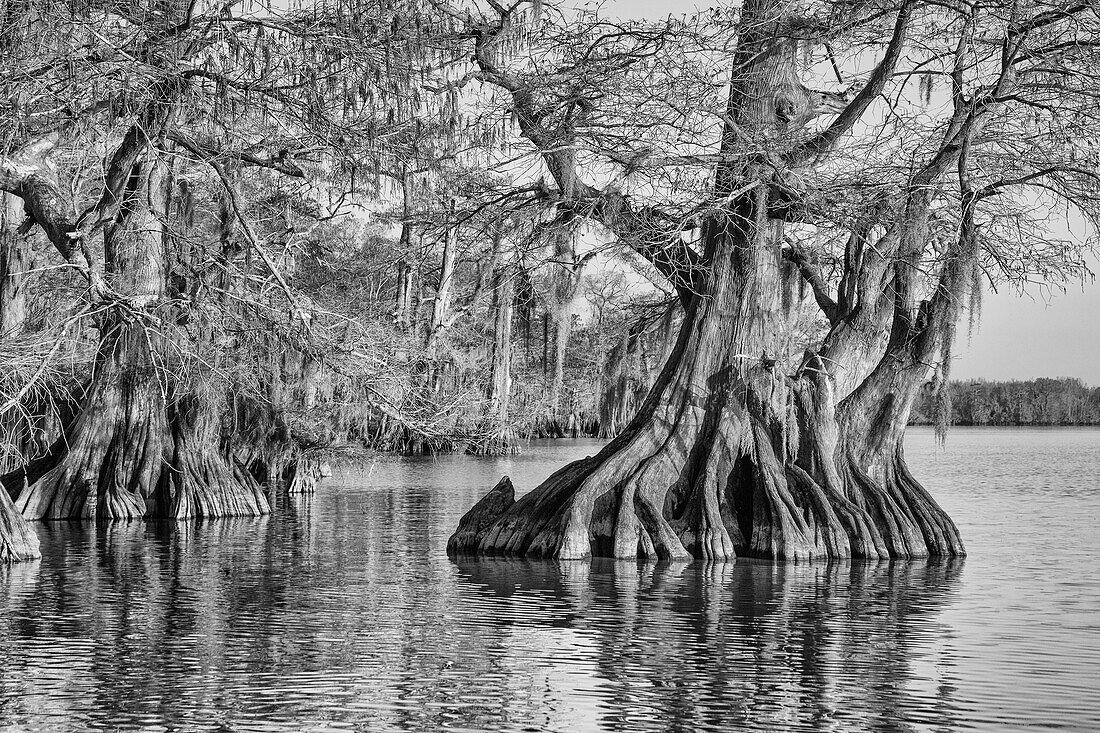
(1034, 402)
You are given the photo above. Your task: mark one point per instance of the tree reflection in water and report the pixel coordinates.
(343, 610)
(749, 645)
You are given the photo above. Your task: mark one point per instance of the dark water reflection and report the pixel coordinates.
(719, 647)
(342, 612)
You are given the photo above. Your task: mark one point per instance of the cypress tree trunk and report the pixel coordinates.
(566, 280)
(709, 467)
(403, 311)
(117, 445)
(441, 310)
(302, 475)
(142, 445)
(202, 479)
(561, 328)
(871, 457)
(561, 325)
(502, 437)
(660, 488)
(15, 261)
(441, 305)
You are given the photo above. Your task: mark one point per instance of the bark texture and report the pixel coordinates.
(15, 261)
(18, 541)
(202, 480)
(483, 515)
(110, 460)
(721, 460)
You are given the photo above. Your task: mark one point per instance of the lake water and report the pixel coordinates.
(342, 612)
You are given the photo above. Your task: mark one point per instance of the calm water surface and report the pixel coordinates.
(342, 612)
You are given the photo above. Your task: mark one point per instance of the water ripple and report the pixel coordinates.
(342, 612)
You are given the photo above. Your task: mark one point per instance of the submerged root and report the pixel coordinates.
(707, 526)
(941, 536)
(710, 478)
(781, 526)
(899, 531)
(843, 528)
(200, 479)
(909, 521)
(827, 532)
(635, 499)
(488, 510)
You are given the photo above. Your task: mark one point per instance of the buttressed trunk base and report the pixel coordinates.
(131, 453)
(721, 460)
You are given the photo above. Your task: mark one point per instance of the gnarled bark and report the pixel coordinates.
(699, 470)
(17, 539)
(112, 455)
(483, 515)
(201, 479)
(707, 469)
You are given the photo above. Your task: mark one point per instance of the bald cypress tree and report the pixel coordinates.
(760, 437)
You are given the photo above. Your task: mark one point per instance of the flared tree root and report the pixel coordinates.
(201, 481)
(128, 455)
(724, 496)
(110, 460)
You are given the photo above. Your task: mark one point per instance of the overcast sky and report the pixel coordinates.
(1019, 337)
